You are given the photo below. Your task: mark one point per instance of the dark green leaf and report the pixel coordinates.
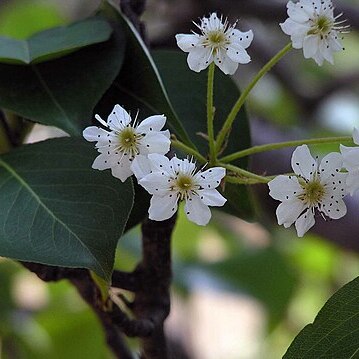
(139, 85)
(334, 332)
(187, 92)
(62, 92)
(54, 42)
(57, 210)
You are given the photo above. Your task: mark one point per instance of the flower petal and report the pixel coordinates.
(186, 42)
(210, 178)
(237, 54)
(154, 142)
(284, 187)
(141, 166)
(303, 163)
(310, 46)
(156, 183)
(101, 162)
(152, 123)
(352, 181)
(296, 12)
(288, 212)
(162, 208)
(94, 133)
(159, 163)
(305, 222)
(122, 168)
(118, 118)
(330, 165)
(226, 64)
(334, 208)
(350, 156)
(356, 136)
(199, 58)
(211, 197)
(242, 39)
(197, 211)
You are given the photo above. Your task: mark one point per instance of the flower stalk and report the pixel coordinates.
(276, 146)
(210, 114)
(238, 105)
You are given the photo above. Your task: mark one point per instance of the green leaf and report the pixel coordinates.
(57, 210)
(62, 92)
(54, 42)
(187, 92)
(139, 85)
(334, 332)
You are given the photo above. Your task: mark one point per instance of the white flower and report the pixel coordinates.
(218, 42)
(351, 163)
(169, 181)
(318, 186)
(123, 140)
(313, 27)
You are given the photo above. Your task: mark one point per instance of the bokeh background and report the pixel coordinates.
(241, 290)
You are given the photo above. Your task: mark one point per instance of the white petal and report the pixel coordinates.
(152, 123)
(197, 211)
(305, 222)
(184, 166)
(296, 12)
(162, 208)
(334, 208)
(336, 185)
(352, 181)
(210, 178)
(350, 156)
(156, 183)
(199, 58)
(118, 118)
(330, 165)
(334, 42)
(225, 63)
(140, 166)
(122, 169)
(243, 39)
(102, 162)
(214, 23)
(94, 133)
(288, 212)
(186, 42)
(303, 163)
(154, 142)
(237, 54)
(211, 197)
(356, 136)
(159, 163)
(284, 188)
(326, 51)
(311, 46)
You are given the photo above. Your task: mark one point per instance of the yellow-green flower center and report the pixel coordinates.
(313, 193)
(129, 140)
(321, 26)
(184, 184)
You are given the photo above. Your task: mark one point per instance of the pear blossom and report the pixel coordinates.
(318, 186)
(170, 181)
(351, 163)
(313, 27)
(219, 42)
(122, 139)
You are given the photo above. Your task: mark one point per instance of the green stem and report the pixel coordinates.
(275, 146)
(189, 150)
(245, 174)
(210, 114)
(238, 105)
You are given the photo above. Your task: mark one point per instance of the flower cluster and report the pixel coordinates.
(317, 186)
(129, 148)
